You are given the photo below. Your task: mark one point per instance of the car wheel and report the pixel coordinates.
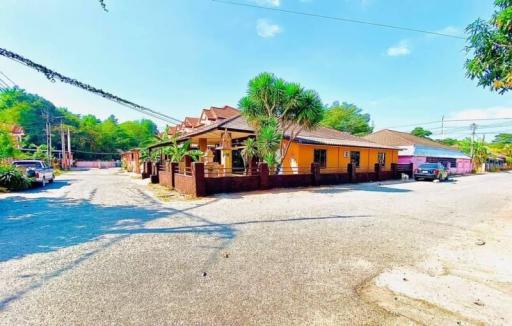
(52, 179)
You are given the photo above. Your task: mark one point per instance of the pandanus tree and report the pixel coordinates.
(249, 151)
(279, 111)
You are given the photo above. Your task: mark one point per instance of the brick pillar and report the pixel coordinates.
(198, 175)
(174, 168)
(315, 174)
(378, 169)
(264, 175)
(351, 168)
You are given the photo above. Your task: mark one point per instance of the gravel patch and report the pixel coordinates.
(95, 248)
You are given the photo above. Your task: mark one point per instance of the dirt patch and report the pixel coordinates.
(464, 282)
(165, 194)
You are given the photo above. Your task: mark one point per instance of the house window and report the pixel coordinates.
(321, 157)
(381, 158)
(355, 158)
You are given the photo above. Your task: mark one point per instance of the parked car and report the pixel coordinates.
(431, 171)
(36, 171)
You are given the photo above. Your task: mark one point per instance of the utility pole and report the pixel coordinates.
(473, 131)
(48, 137)
(442, 126)
(63, 146)
(70, 155)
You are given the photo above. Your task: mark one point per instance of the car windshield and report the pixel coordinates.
(429, 166)
(27, 164)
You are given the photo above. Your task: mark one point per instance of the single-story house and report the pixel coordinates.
(222, 131)
(418, 150)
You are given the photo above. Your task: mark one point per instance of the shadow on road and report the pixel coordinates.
(46, 224)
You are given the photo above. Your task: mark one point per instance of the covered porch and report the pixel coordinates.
(221, 145)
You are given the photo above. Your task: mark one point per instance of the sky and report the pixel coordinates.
(180, 56)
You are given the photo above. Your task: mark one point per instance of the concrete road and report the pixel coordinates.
(95, 248)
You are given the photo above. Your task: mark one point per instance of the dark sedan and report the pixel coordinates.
(431, 171)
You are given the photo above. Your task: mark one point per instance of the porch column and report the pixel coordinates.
(226, 151)
(202, 142)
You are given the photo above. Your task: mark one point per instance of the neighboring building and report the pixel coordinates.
(418, 150)
(496, 163)
(131, 160)
(221, 139)
(17, 133)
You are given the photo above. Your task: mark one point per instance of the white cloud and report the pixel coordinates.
(451, 30)
(266, 29)
(273, 3)
(399, 49)
(483, 113)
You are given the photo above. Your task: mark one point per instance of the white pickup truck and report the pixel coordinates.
(35, 170)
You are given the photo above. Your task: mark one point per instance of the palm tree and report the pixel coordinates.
(270, 99)
(178, 151)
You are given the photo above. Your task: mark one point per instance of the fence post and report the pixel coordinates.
(264, 173)
(394, 171)
(378, 169)
(198, 175)
(351, 168)
(315, 174)
(154, 173)
(174, 167)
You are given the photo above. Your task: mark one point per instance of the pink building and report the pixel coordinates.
(418, 150)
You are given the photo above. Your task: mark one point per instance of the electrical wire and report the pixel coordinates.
(53, 76)
(342, 19)
(9, 79)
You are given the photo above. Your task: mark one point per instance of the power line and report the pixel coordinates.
(53, 75)
(419, 124)
(342, 19)
(3, 83)
(9, 79)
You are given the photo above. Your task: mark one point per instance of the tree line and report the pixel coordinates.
(89, 134)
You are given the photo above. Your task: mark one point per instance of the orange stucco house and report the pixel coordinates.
(220, 132)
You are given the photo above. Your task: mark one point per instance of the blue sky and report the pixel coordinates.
(180, 56)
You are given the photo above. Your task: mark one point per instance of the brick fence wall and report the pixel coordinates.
(196, 184)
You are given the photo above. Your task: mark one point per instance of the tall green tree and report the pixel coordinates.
(285, 106)
(88, 133)
(7, 149)
(448, 141)
(421, 132)
(489, 49)
(347, 117)
(503, 139)
(476, 149)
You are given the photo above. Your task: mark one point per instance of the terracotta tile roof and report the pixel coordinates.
(329, 136)
(321, 135)
(214, 113)
(191, 122)
(172, 130)
(225, 112)
(399, 138)
(13, 128)
(17, 129)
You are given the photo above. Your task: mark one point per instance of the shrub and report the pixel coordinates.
(12, 179)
